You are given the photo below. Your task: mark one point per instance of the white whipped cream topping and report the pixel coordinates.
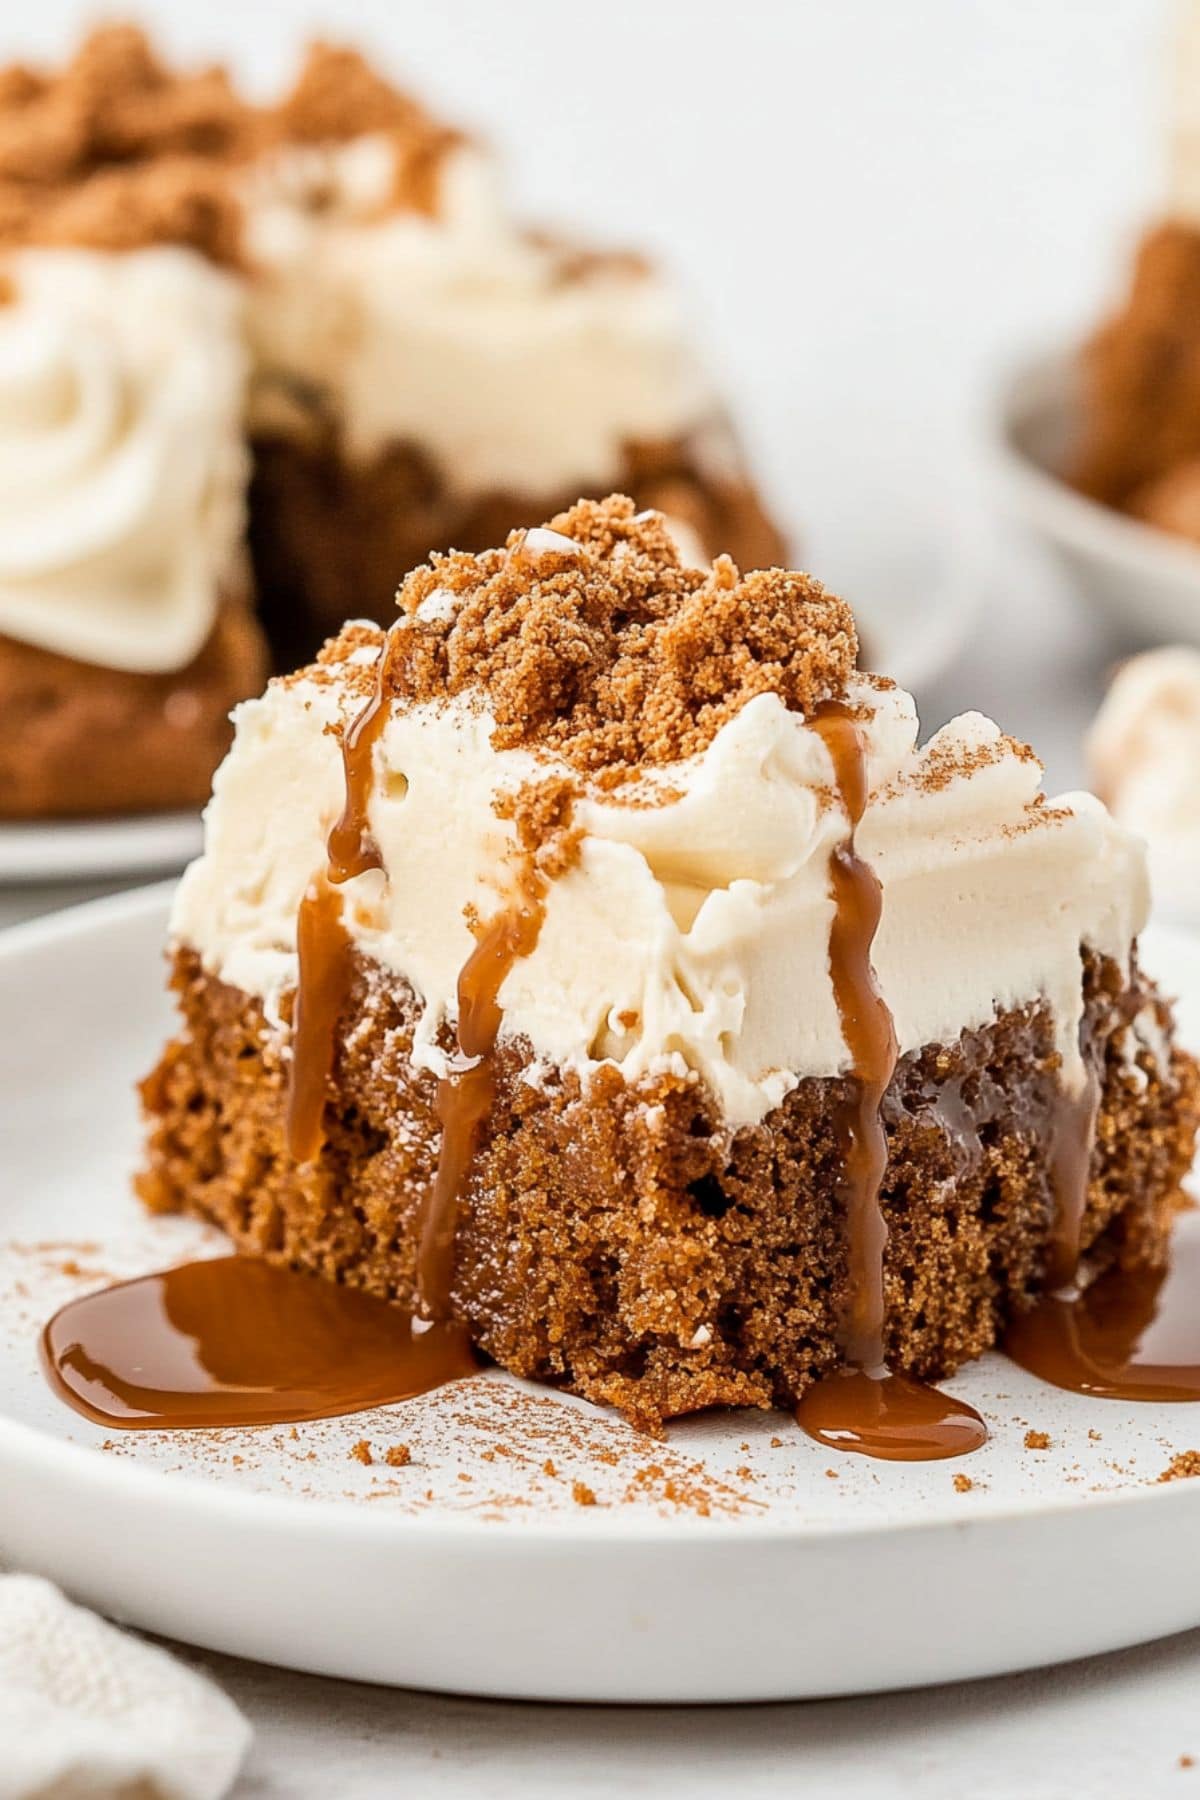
(1144, 751)
(122, 465)
(691, 935)
(456, 331)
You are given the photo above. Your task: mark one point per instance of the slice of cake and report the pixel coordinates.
(307, 336)
(596, 959)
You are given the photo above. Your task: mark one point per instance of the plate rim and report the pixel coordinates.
(27, 1446)
(37, 851)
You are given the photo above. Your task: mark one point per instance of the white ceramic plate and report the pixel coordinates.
(98, 849)
(737, 1561)
(1145, 583)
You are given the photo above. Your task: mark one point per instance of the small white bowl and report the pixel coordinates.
(1145, 583)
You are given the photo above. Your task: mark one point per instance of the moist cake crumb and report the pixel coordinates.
(963, 1484)
(582, 1494)
(361, 1452)
(600, 1302)
(1037, 1440)
(1182, 1466)
(398, 1456)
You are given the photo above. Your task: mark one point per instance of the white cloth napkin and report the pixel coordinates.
(88, 1711)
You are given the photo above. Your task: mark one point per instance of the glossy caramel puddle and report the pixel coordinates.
(865, 1407)
(1131, 1334)
(236, 1341)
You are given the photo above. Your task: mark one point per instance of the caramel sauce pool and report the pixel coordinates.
(866, 1407)
(1131, 1334)
(236, 1341)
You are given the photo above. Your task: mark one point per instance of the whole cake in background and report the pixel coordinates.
(1140, 444)
(783, 1043)
(254, 360)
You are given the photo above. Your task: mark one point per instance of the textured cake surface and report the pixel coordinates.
(616, 1241)
(655, 1210)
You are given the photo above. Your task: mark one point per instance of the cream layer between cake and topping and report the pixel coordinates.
(122, 459)
(456, 331)
(692, 932)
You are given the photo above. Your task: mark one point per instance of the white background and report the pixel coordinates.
(873, 204)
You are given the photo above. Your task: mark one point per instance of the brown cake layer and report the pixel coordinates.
(615, 1242)
(1142, 390)
(78, 740)
(330, 537)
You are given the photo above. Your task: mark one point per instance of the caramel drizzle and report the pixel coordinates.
(870, 1036)
(323, 944)
(1126, 1333)
(465, 1097)
(865, 1406)
(350, 848)
(322, 941)
(1072, 1137)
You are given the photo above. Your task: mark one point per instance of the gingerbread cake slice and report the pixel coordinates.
(596, 958)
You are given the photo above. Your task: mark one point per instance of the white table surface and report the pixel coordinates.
(1112, 1728)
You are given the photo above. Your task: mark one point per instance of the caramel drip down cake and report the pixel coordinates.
(258, 359)
(516, 983)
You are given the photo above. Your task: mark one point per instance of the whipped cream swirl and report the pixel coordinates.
(459, 332)
(122, 466)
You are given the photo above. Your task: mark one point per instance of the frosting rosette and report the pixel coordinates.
(122, 463)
